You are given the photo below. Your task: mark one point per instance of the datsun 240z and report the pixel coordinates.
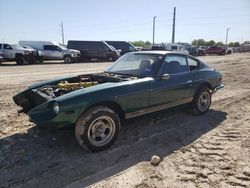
(138, 83)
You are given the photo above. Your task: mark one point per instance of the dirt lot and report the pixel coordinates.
(212, 150)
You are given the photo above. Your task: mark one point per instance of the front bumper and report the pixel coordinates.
(218, 88)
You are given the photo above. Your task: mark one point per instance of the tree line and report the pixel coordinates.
(195, 42)
(202, 42)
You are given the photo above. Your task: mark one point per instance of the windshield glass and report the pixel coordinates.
(139, 65)
(16, 46)
(63, 47)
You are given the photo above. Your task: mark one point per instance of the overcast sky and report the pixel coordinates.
(128, 20)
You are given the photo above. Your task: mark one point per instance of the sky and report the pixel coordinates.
(128, 20)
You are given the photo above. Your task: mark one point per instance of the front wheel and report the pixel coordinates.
(110, 58)
(20, 60)
(67, 59)
(97, 129)
(202, 101)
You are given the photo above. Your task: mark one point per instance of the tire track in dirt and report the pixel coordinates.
(226, 170)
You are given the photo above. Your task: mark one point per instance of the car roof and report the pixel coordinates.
(159, 52)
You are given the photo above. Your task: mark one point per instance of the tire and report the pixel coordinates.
(67, 59)
(110, 59)
(40, 59)
(97, 129)
(202, 101)
(20, 60)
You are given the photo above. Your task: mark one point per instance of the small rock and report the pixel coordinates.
(155, 160)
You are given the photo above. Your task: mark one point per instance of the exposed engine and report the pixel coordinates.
(67, 86)
(47, 92)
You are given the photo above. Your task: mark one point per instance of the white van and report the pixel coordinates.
(53, 51)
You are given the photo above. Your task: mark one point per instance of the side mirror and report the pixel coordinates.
(165, 76)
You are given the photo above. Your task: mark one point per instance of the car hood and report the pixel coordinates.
(72, 51)
(102, 87)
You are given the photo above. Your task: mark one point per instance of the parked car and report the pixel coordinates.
(158, 47)
(138, 48)
(94, 50)
(124, 46)
(202, 50)
(137, 83)
(53, 51)
(13, 52)
(216, 50)
(229, 50)
(170, 47)
(193, 50)
(37, 53)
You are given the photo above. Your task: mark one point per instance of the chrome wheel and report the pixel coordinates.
(101, 131)
(204, 101)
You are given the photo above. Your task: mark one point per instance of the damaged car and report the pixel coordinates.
(138, 83)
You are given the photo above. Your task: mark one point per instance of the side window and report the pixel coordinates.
(174, 64)
(46, 47)
(52, 47)
(174, 47)
(193, 64)
(7, 47)
(58, 48)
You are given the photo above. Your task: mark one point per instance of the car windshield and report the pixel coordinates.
(16, 46)
(138, 65)
(63, 47)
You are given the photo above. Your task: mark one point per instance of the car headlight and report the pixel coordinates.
(56, 107)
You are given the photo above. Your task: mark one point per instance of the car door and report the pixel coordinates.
(52, 52)
(173, 85)
(7, 51)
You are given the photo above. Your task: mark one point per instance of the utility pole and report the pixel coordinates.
(173, 32)
(62, 33)
(154, 30)
(227, 34)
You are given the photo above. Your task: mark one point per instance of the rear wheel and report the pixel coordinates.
(97, 129)
(202, 101)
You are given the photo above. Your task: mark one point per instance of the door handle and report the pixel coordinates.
(189, 82)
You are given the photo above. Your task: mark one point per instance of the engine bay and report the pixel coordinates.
(62, 87)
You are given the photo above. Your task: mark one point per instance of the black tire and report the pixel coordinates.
(40, 59)
(202, 101)
(68, 59)
(94, 119)
(110, 59)
(19, 60)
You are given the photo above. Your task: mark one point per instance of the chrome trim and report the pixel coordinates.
(217, 88)
(157, 108)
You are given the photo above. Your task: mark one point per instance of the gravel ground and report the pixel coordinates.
(212, 150)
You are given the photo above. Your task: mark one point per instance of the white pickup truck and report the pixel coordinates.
(13, 52)
(52, 51)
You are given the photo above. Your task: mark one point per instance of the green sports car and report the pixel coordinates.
(138, 83)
